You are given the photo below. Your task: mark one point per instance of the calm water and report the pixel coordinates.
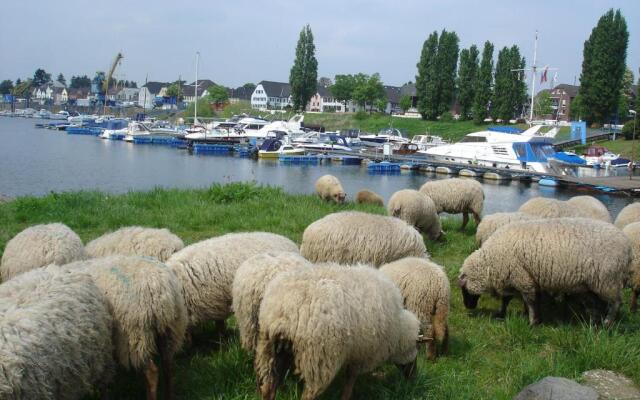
(38, 161)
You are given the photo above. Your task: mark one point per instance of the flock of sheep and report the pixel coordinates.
(359, 292)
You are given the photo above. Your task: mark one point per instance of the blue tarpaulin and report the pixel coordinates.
(505, 129)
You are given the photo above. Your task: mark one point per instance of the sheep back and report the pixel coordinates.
(417, 209)
(329, 188)
(369, 197)
(542, 207)
(455, 195)
(136, 241)
(632, 231)
(592, 206)
(493, 222)
(627, 215)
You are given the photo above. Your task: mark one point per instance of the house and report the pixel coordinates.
(409, 89)
(561, 97)
(239, 94)
(393, 99)
(60, 95)
(323, 101)
(148, 92)
(189, 92)
(271, 95)
(79, 96)
(128, 95)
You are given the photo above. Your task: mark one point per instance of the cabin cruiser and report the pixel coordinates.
(386, 135)
(250, 126)
(601, 157)
(525, 151)
(425, 142)
(115, 129)
(274, 148)
(325, 142)
(138, 129)
(60, 115)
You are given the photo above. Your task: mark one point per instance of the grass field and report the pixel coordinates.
(619, 146)
(488, 359)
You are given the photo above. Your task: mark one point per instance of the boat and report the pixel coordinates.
(425, 142)
(115, 129)
(405, 148)
(522, 151)
(139, 129)
(325, 142)
(385, 135)
(60, 115)
(274, 148)
(601, 157)
(252, 127)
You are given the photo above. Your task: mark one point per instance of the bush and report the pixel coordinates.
(446, 117)
(627, 130)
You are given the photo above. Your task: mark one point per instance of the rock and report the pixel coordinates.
(553, 388)
(611, 385)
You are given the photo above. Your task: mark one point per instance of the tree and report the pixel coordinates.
(23, 89)
(405, 103)
(78, 82)
(425, 80)
(249, 87)
(447, 64)
(626, 95)
(218, 94)
(304, 73)
(61, 79)
(603, 67)
(510, 90)
(575, 108)
(175, 90)
(542, 104)
(40, 77)
(6, 86)
(483, 85)
(343, 87)
(368, 90)
(467, 78)
(325, 82)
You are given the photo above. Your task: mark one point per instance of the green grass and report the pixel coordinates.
(488, 359)
(619, 146)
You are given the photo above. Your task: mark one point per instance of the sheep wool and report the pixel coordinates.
(456, 196)
(425, 291)
(542, 207)
(136, 241)
(55, 337)
(629, 214)
(592, 206)
(329, 188)
(417, 209)
(206, 270)
(249, 284)
(555, 256)
(353, 237)
(493, 222)
(369, 197)
(632, 231)
(39, 246)
(329, 317)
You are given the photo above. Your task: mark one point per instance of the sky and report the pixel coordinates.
(243, 41)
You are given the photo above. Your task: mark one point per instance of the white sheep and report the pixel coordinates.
(136, 240)
(543, 207)
(249, 284)
(493, 222)
(629, 214)
(632, 231)
(417, 209)
(369, 197)
(329, 188)
(39, 246)
(554, 256)
(206, 270)
(55, 336)
(455, 196)
(594, 207)
(353, 237)
(328, 318)
(425, 291)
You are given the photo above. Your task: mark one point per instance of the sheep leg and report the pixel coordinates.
(465, 221)
(347, 391)
(151, 374)
(477, 218)
(167, 368)
(432, 350)
(532, 300)
(503, 307)
(634, 300)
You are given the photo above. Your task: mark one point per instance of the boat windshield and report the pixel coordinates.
(473, 139)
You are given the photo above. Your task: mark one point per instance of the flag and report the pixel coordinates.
(555, 77)
(543, 78)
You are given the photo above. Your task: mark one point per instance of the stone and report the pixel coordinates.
(611, 385)
(554, 388)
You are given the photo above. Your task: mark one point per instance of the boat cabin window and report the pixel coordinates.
(473, 139)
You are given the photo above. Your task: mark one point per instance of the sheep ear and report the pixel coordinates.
(462, 281)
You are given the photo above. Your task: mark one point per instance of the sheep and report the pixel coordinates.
(352, 237)
(206, 270)
(329, 188)
(554, 256)
(542, 207)
(416, 209)
(369, 197)
(493, 222)
(330, 317)
(248, 289)
(455, 196)
(135, 240)
(632, 231)
(148, 310)
(39, 246)
(629, 214)
(425, 291)
(55, 336)
(591, 205)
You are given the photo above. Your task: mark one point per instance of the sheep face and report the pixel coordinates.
(470, 293)
(339, 197)
(409, 370)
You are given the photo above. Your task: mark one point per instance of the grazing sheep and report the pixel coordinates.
(329, 188)
(425, 291)
(542, 207)
(353, 237)
(629, 214)
(207, 268)
(417, 209)
(455, 196)
(136, 241)
(632, 231)
(369, 197)
(148, 310)
(249, 284)
(592, 206)
(491, 223)
(38, 246)
(55, 336)
(554, 256)
(317, 321)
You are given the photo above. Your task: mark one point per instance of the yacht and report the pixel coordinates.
(115, 129)
(324, 142)
(274, 148)
(523, 151)
(138, 129)
(425, 142)
(386, 135)
(250, 126)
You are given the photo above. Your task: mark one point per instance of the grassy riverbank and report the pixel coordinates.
(489, 359)
(620, 146)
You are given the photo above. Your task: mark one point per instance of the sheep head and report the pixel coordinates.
(470, 300)
(339, 197)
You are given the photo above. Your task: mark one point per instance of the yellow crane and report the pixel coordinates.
(119, 57)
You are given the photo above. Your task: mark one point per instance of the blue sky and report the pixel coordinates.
(248, 41)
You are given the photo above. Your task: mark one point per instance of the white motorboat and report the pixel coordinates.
(274, 148)
(60, 115)
(116, 129)
(137, 129)
(324, 142)
(425, 142)
(292, 127)
(210, 134)
(250, 127)
(392, 135)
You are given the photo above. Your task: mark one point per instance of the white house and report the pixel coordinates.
(271, 95)
(323, 101)
(128, 95)
(188, 91)
(148, 92)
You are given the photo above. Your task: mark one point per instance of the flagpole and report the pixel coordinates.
(533, 77)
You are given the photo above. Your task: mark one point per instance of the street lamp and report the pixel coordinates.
(633, 142)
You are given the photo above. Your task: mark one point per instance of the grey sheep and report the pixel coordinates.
(329, 188)
(55, 337)
(592, 206)
(39, 246)
(493, 222)
(149, 314)
(136, 241)
(249, 284)
(417, 209)
(353, 237)
(328, 318)
(425, 292)
(554, 256)
(369, 197)
(632, 231)
(456, 196)
(629, 214)
(206, 270)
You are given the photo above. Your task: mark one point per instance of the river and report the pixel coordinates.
(38, 161)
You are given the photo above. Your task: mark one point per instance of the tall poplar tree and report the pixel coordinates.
(509, 90)
(483, 85)
(447, 64)
(425, 80)
(303, 77)
(603, 66)
(467, 78)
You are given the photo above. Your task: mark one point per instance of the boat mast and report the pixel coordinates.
(195, 92)
(533, 78)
